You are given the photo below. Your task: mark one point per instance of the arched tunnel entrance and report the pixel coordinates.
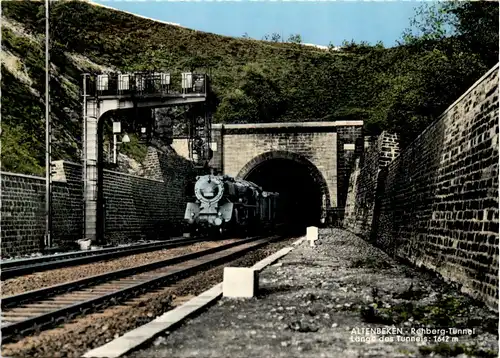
(302, 193)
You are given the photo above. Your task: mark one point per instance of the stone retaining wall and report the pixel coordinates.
(135, 207)
(436, 205)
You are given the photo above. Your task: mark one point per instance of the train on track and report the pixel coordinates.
(224, 204)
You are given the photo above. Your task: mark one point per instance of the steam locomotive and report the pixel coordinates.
(225, 204)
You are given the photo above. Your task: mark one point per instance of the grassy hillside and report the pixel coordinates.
(401, 88)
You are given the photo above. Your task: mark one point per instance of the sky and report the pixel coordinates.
(319, 23)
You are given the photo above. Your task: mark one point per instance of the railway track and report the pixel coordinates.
(33, 311)
(14, 268)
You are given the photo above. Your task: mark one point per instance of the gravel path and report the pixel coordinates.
(315, 302)
(83, 334)
(38, 280)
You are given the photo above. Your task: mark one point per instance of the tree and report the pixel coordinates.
(332, 47)
(257, 99)
(295, 39)
(431, 22)
(237, 107)
(275, 37)
(352, 46)
(449, 46)
(474, 24)
(477, 24)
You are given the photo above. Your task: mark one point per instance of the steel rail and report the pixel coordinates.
(21, 267)
(22, 298)
(132, 280)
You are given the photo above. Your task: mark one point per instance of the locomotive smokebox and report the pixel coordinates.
(226, 203)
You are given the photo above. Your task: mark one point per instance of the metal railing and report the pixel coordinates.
(146, 83)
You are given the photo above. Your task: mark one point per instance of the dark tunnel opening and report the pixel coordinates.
(300, 194)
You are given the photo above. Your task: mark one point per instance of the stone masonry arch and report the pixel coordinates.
(325, 148)
(284, 166)
(280, 154)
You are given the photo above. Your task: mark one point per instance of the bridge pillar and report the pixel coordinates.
(90, 175)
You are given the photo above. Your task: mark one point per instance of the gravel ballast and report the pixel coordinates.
(342, 298)
(38, 280)
(85, 333)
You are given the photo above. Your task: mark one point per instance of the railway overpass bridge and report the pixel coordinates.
(107, 93)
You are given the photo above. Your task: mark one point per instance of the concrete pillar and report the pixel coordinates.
(95, 109)
(90, 171)
(240, 282)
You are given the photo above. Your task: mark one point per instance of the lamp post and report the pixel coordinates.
(48, 134)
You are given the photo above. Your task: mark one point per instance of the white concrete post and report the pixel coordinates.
(312, 235)
(240, 282)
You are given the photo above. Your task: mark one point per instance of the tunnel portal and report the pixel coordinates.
(300, 194)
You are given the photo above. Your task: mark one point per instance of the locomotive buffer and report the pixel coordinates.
(222, 203)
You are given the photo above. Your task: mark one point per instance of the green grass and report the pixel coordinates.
(134, 149)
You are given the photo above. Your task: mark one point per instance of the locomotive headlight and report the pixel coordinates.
(192, 215)
(219, 213)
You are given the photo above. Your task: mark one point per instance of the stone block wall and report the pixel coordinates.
(436, 205)
(440, 207)
(349, 146)
(331, 147)
(136, 207)
(388, 148)
(319, 148)
(67, 203)
(23, 213)
(363, 184)
(22, 226)
(151, 165)
(143, 208)
(217, 161)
